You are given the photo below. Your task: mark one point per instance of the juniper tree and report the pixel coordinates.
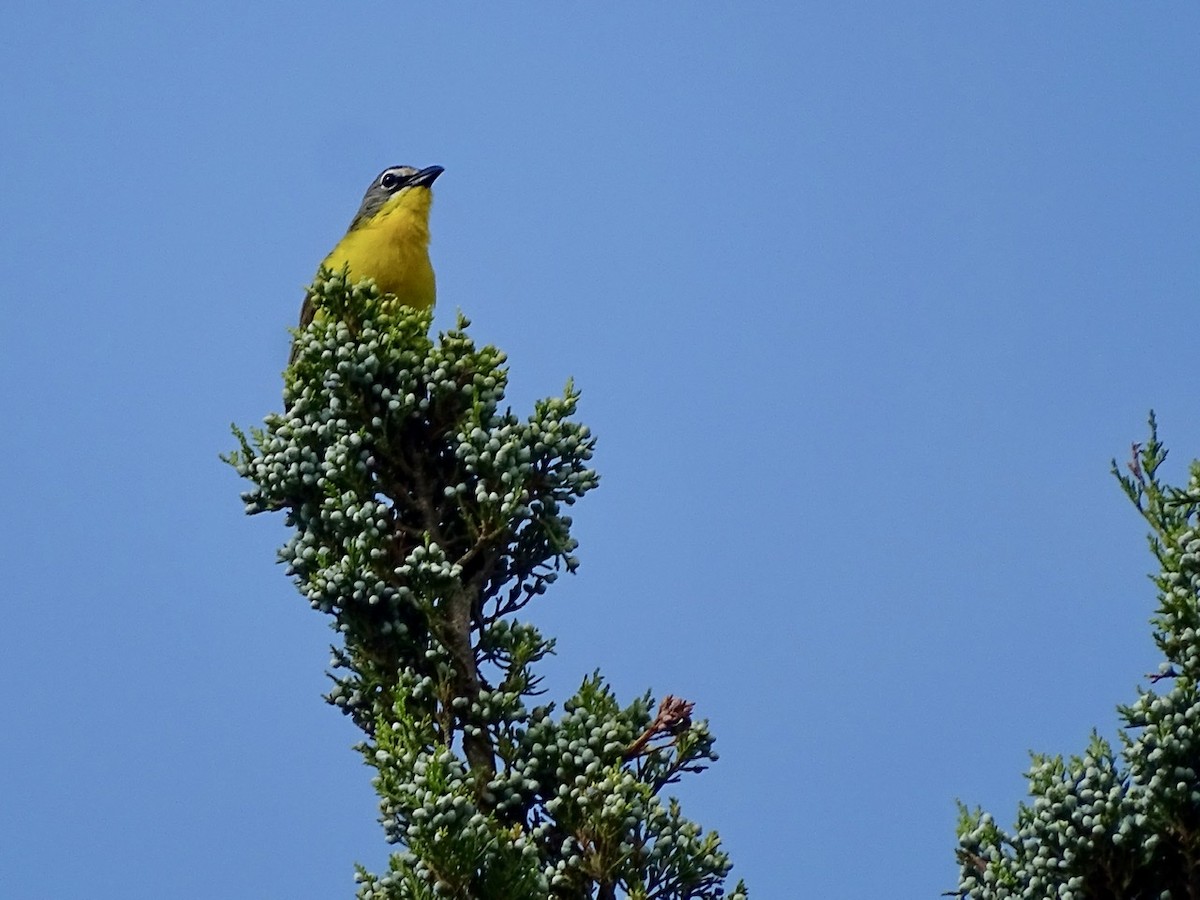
(1108, 824)
(424, 517)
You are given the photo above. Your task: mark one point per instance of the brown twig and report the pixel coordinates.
(1135, 465)
(674, 715)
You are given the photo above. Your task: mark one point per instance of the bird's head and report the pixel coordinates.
(398, 188)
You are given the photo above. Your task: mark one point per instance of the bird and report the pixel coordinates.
(388, 240)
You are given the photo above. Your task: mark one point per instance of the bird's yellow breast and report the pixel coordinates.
(393, 248)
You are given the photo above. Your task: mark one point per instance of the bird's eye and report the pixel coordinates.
(389, 181)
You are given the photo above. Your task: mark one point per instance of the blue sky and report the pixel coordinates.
(861, 297)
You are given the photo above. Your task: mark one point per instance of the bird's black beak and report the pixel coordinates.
(426, 177)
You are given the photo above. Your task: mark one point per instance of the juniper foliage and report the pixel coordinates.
(1108, 825)
(424, 517)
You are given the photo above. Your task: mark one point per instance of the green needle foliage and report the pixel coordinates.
(424, 518)
(1122, 825)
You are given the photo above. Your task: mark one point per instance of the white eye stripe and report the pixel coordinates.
(397, 177)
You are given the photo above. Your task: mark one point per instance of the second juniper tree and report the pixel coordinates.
(1118, 823)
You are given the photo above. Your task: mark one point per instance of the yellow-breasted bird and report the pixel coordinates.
(388, 240)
